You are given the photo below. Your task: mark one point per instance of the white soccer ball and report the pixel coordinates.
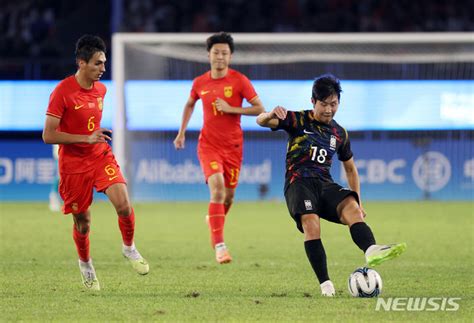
(365, 282)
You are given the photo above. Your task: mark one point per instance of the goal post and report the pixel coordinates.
(285, 56)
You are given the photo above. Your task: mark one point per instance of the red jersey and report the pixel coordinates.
(80, 112)
(222, 129)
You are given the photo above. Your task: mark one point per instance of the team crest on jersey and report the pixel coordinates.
(228, 91)
(332, 142)
(214, 165)
(100, 103)
(308, 205)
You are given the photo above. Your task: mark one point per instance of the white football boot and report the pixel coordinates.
(327, 289)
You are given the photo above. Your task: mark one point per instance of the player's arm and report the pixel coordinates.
(187, 113)
(52, 136)
(270, 119)
(353, 178)
(254, 110)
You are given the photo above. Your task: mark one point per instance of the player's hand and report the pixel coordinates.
(222, 106)
(278, 112)
(99, 136)
(178, 142)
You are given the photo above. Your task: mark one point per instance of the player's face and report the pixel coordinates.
(325, 110)
(95, 67)
(219, 56)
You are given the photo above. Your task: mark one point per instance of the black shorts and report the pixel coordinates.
(309, 195)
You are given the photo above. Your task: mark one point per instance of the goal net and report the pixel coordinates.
(153, 73)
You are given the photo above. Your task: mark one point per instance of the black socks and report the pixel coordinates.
(317, 258)
(362, 235)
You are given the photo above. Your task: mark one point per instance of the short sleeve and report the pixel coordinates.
(103, 89)
(248, 91)
(56, 104)
(194, 91)
(344, 152)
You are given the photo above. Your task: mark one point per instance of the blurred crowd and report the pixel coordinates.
(25, 27)
(298, 15)
(46, 29)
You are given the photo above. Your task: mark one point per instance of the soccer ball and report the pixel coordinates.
(365, 282)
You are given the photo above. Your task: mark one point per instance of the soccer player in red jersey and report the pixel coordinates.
(86, 160)
(222, 91)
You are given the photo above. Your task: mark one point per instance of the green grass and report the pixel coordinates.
(269, 280)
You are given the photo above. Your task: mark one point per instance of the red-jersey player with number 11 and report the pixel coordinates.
(222, 91)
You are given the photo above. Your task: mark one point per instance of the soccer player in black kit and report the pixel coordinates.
(314, 137)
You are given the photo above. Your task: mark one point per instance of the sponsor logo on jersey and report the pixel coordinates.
(228, 91)
(204, 92)
(77, 107)
(91, 105)
(308, 205)
(332, 143)
(308, 132)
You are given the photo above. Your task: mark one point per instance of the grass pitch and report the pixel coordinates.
(269, 280)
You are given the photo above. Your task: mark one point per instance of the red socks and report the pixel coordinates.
(127, 227)
(216, 222)
(82, 244)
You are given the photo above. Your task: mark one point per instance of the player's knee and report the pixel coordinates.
(351, 213)
(124, 209)
(217, 195)
(83, 228)
(82, 223)
(311, 227)
(312, 232)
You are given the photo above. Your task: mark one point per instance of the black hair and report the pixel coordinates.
(88, 45)
(325, 86)
(220, 38)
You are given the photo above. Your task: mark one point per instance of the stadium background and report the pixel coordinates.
(406, 148)
(270, 279)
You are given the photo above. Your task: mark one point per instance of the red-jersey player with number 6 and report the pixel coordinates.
(86, 160)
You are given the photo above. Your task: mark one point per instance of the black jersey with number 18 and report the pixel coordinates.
(312, 145)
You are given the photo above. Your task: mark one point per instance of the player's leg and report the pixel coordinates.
(76, 192)
(351, 215)
(302, 198)
(118, 195)
(80, 235)
(216, 217)
(212, 166)
(231, 164)
(229, 199)
(315, 252)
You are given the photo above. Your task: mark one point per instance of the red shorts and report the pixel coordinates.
(227, 162)
(76, 190)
